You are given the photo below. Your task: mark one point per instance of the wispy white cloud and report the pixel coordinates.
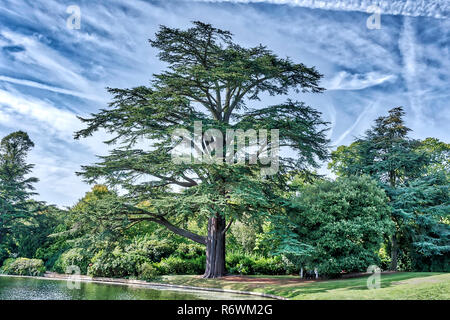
(361, 116)
(41, 58)
(427, 8)
(38, 114)
(50, 88)
(408, 51)
(57, 156)
(346, 81)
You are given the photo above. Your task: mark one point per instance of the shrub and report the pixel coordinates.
(345, 220)
(51, 254)
(189, 251)
(4, 253)
(74, 257)
(148, 272)
(125, 261)
(24, 267)
(116, 263)
(271, 266)
(240, 263)
(153, 250)
(244, 264)
(177, 265)
(6, 264)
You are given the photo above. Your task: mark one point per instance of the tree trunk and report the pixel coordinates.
(394, 252)
(215, 248)
(394, 244)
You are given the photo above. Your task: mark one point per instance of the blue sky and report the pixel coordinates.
(50, 73)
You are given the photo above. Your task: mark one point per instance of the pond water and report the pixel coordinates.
(18, 288)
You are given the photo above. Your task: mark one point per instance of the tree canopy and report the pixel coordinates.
(403, 167)
(16, 188)
(212, 80)
(344, 221)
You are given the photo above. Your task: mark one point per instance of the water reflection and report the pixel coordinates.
(16, 288)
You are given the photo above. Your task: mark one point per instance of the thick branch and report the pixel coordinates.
(184, 233)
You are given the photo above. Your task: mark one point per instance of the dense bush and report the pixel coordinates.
(74, 257)
(177, 265)
(189, 251)
(148, 271)
(271, 265)
(6, 264)
(346, 221)
(4, 253)
(24, 267)
(146, 258)
(128, 260)
(431, 264)
(51, 253)
(153, 250)
(241, 263)
(116, 263)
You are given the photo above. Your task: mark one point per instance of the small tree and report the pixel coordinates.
(298, 253)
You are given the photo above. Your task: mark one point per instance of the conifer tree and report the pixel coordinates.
(212, 80)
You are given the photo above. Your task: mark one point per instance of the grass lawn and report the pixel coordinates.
(394, 286)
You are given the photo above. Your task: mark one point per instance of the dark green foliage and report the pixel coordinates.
(24, 223)
(51, 253)
(177, 265)
(35, 233)
(189, 251)
(244, 263)
(15, 186)
(4, 253)
(387, 154)
(155, 250)
(127, 260)
(423, 209)
(389, 185)
(345, 221)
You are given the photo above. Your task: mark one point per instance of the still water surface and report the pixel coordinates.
(17, 288)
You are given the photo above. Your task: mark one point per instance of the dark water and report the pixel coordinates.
(16, 288)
